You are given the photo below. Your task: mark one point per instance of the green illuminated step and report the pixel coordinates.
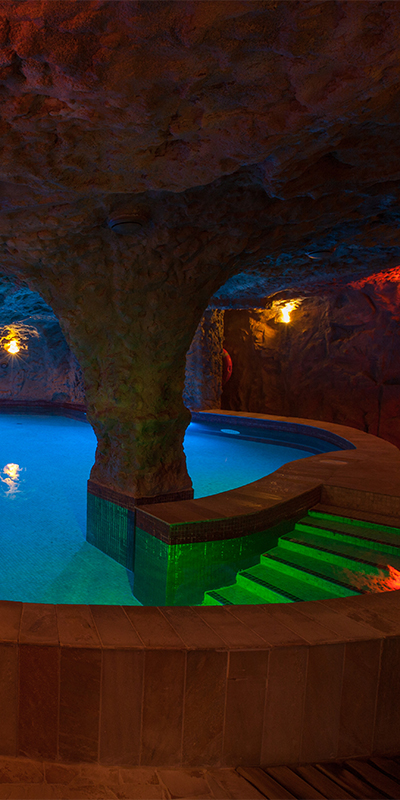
(349, 520)
(277, 586)
(323, 556)
(338, 552)
(319, 573)
(357, 535)
(233, 595)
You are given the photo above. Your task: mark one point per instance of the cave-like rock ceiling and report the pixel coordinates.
(257, 137)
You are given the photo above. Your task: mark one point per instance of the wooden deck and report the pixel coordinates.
(356, 778)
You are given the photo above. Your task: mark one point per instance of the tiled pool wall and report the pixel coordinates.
(111, 528)
(73, 410)
(180, 573)
(174, 564)
(234, 685)
(263, 423)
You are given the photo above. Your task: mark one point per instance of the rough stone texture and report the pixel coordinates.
(250, 136)
(203, 377)
(45, 368)
(337, 360)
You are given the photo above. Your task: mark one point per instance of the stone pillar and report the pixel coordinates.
(134, 377)
(129, 306)
(139, 457)
(203, 382)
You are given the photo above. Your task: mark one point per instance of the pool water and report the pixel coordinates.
(45, 462)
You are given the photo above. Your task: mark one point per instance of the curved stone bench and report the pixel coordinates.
(215, 685)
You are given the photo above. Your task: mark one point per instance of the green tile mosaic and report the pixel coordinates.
(111, 528)
(179, 574)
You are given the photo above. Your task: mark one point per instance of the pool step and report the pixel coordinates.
(276, 582)
(234, 595)
(338, 552)
(323, 556)
(332, 579)
(381, 538)
(368, 519)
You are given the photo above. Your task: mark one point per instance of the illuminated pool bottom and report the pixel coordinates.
(45, 463)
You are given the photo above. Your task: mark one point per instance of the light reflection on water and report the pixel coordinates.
(12, 477)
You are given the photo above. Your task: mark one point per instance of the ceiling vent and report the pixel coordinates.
(127, 223)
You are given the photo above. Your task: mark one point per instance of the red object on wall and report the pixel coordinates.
(226, 367)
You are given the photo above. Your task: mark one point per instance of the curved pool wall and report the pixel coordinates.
(218, 686)
(176, 562)
(273, 431)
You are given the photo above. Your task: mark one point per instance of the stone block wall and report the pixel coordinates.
(201, 686)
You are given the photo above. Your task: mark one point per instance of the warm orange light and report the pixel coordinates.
(286, 311)
(393, 582)
(12, 347)
(378, 582)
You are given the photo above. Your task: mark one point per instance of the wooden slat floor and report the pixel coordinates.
(373, 778)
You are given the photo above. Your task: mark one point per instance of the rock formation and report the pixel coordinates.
(248, 137)
(337, 360)
(203, 377)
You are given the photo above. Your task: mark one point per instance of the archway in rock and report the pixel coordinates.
(44, 369)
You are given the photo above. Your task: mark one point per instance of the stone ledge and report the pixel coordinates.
(287, 672)
(352, 475)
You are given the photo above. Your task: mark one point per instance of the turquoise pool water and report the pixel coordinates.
(44, 465)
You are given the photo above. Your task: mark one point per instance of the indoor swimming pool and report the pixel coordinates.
(45, 464)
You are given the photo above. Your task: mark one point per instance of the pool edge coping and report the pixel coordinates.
(232, 511)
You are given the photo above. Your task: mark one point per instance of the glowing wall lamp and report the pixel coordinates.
(12, 347)
(286, 312)
(284, 309)
(14, 338)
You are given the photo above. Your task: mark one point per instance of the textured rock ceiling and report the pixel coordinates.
(259, 134)
(255, 138)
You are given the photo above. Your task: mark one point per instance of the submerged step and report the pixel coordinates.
(232, 595)
(212, 598)
(317, 573)
(345, 515)
(356, 535)
(281, 584)
(338, 552)
(253, 579)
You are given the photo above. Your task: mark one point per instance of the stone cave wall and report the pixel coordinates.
(338, 359)
(203, 376)
(46, 370)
